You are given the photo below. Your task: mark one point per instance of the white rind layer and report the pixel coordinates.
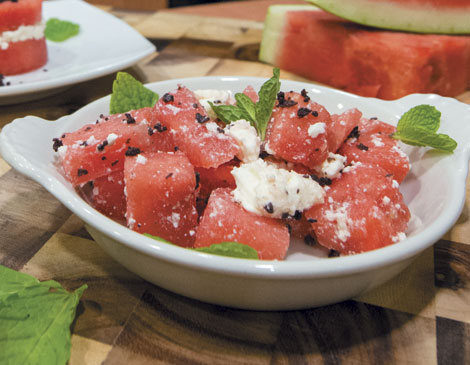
(22, 33)
(408, 17)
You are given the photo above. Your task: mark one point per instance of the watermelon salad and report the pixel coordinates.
(206, 168)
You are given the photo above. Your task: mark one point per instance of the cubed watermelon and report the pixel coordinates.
(21, 12)
(341, 126)
(363, 210)
(225, 220)
(161, 199)
(181, 112)
(108, 197)
(98, 149)
(297, 130)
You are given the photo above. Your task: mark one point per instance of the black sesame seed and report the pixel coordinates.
(362, 147)
(373, 118)
(81, 172)
(195, 106)
(160, 128)
(269, 208)
(310, 240)
(150, 131)
(132, 151)
(114, 163)
(57, 143)
(168, 98)
(103, 158)
(176, 148)
(311, 220)
(84, 143)
(333, 253)
(129, 118)
(169, 175)
(354, 133)
(315, 113)
(285, 215)
(304, 94)
(201, 118)
(297, 215)
(101, 146)
(220, 130)
(302, 112)
(87, 128)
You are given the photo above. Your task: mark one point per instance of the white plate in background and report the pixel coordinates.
(105, 44)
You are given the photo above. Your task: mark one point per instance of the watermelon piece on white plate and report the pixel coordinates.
(423, 16)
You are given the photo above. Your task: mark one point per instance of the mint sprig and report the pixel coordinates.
(35, 319)
(130, 94)
(60, 30)
(228, 249)
(258, 113)
(418, 127)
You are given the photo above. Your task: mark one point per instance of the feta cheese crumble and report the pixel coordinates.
(316, 129)
(215, 97)
(266, 190)
(333, 165)
(22, 33)
(247, 138)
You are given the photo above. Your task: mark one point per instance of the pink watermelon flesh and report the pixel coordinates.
(225, 220)
(180, 112)
(98, 149)
(22, 12)
(374, 146)
(161, 198)
(251, 93)
(287, 134)
(363, 210)
(108, 196)
(383, 64)
(341, 126)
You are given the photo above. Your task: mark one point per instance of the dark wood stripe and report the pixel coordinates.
(29, 216)
(452, 265)
(453, 342)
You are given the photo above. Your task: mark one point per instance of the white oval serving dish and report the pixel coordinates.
(434, 191)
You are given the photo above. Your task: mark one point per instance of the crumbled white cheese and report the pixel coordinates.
(111, 138)
(215, 97)
(333, 165)
(22, 33)
(340, 216)
(316, 129)
(212, 127)
(247, 138)
(141, 159)
(399, 237)
(62, 150)
(266, 190)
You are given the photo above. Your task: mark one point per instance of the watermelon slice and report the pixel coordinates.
(205, 147)
(161, 197)
(108, 197)
(225, 220)
(20, 52)
(363, 210)
(425, 16)
(383, 64)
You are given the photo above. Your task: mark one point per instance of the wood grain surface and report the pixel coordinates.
(420, 317)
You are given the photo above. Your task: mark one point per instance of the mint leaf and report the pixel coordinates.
(35, 319)
(267, 98)
(424, 116)
(257, 114)
(248, 107)
(418, 127)
(60, 30)
(417, 136)
(230, 249)
(129, 94)
(227, 113)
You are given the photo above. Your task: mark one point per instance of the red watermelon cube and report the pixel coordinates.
(161, 199)
(363, 210)
(181, 112)
(224, 220)
(107, 196)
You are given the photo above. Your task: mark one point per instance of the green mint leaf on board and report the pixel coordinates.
(35, 319)
(258, 114)
(418, 127)
(129, 94)
(60, 30)
(230, 249)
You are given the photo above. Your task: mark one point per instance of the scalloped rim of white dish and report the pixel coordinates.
(26, 145)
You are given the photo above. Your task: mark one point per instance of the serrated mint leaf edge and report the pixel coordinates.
(424, 116)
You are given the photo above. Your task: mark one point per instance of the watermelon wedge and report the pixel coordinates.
(325, 48)
(424, 16)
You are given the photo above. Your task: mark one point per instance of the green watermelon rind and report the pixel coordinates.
(420, 18)
(272, 32)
